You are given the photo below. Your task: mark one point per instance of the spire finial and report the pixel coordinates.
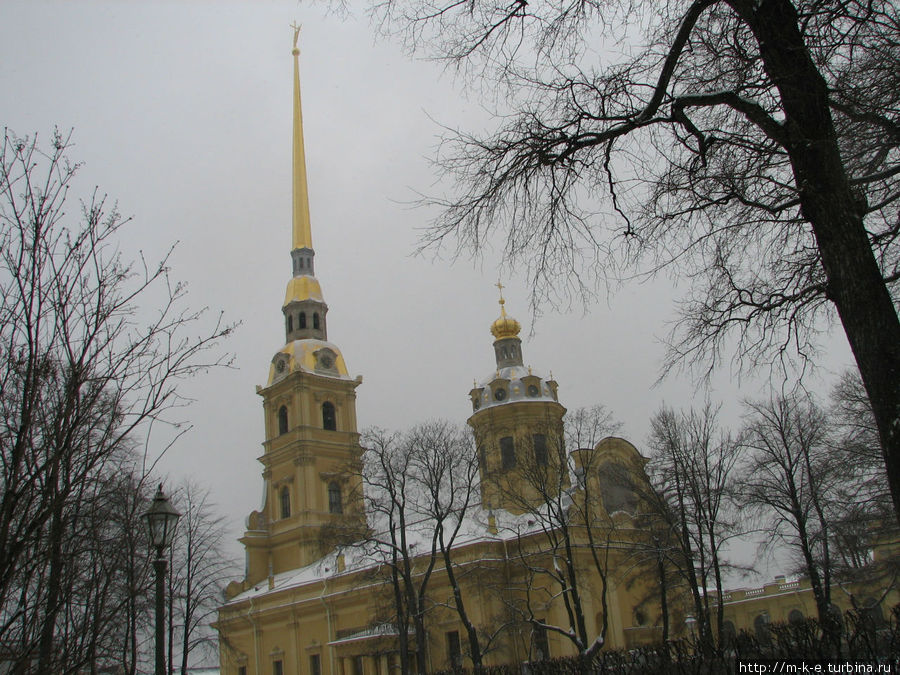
(500, 285)
(296, 50)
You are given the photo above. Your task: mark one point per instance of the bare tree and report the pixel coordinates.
(397, 534)
(84, 374)
(567, 537)
(585, 427)
(445, 467)
(751, 145)
(789, 482)
(199, 571)
(692, 468)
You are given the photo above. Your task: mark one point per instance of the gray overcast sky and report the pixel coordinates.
(182, 113)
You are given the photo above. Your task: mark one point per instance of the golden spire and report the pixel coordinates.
(505, 326)
(302, 229)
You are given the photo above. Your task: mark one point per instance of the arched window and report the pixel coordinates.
(761, 627)
(301, 320)
(290, 320)
(334, 498)
(285, 499)
(729, 633)
(316, 320)
(282, 420)
(329, 421)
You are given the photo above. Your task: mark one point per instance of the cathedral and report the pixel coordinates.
(558, 556)
(308, 605)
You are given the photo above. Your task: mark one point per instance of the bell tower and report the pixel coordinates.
(517, 421)
(311, 454)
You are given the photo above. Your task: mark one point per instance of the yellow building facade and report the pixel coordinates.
(309, 607)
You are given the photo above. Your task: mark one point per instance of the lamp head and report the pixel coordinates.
(161, 520)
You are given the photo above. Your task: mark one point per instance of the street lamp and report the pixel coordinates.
(161, 519)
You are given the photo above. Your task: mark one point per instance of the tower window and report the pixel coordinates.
(282, 420)
(290, 320)
(540, 449)
(329, 420)
(334, 498)
(316, 320)
(285, 498)
(507, 452)
(301, 320)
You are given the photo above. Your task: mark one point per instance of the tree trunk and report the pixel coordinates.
(471, 631)
(52, 600)
(663, 595)
(855, 283)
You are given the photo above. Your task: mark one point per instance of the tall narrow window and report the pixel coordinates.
(316, 320)
(315, 665)
(507, 453)
(540, 449)
(540, 643)
(277, 668)
(285, 497)
(334, 498)
(282, 420)
(454, 653)
(329, 420)
(290, 320)
(301, 320)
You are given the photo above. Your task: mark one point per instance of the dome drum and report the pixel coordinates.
(508, 352)
(302, 262)
(305, 319)
(315, 357)
(511, 385)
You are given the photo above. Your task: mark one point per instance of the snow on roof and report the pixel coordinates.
(369, 554)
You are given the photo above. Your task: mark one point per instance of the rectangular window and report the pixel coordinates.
(242, 670)
(315, 665)
(507, 453)
(541, 646)
(454, 654)
(277, 668)
(540, 449)
(358, 665)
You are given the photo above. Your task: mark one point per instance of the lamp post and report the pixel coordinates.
(161, 519)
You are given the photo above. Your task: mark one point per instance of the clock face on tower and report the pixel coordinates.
(326, 359)
(281, 366)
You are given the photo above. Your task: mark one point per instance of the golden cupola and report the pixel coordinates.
(505, 326)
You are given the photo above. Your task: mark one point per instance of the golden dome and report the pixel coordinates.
(303, 288)
(505, 326)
